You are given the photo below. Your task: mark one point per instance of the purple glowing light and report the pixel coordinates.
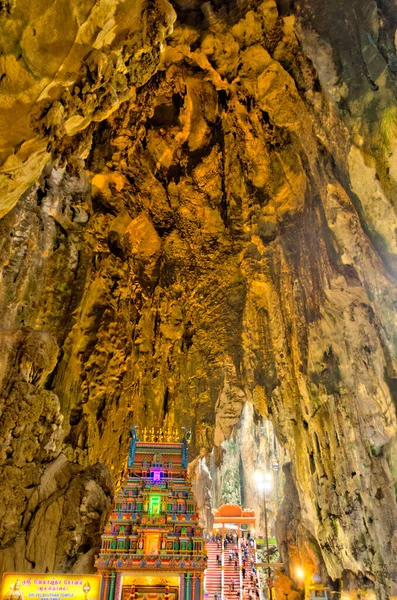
(157, 476)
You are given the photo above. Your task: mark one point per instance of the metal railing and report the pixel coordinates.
(222, 570)
(258, 576)
(240, 567)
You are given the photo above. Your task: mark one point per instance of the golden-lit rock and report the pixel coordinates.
(205, 233)
(97, 55)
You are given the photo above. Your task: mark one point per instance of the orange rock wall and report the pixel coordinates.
(205, 219)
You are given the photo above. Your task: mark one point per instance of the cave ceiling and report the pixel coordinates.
(198, 212)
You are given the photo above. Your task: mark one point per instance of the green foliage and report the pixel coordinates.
(230, 475)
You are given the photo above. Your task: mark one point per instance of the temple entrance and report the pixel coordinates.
(230, 516)
(164, 587)
(151, 593)
(152, 543)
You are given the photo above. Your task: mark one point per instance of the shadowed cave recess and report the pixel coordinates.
(198, 229)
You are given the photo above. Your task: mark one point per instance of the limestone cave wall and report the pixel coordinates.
(198, 207)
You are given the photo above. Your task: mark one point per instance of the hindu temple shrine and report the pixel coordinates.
(153, 546)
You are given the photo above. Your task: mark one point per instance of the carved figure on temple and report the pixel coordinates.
(168, 434)
(134, 439)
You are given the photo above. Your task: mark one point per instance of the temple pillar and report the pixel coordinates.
(182, 587)
(197, 588)
(105, 587)
(193, 585)
(112, 585)
(187, 586)
(117, 592)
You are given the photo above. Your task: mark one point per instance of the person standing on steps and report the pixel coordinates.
(243, 572)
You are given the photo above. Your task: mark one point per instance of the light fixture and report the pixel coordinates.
(263, 480)
(300, 573)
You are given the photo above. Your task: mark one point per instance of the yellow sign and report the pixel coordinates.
(32, 586)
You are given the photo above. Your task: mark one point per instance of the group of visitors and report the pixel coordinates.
(230, 538)
(247, 555)
(250, 584)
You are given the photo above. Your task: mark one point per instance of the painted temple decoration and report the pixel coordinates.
(153, 547)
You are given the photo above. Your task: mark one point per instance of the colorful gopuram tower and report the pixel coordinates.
(153, 547)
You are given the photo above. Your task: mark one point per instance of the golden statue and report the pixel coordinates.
(176, 435)
(145, 435)
(168, 434)
(160, 435)
(152, 435)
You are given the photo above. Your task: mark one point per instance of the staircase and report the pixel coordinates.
(213, 573)
(249, 587)
(231, 573)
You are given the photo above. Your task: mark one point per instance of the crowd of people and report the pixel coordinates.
(250, 587)
(250, 583)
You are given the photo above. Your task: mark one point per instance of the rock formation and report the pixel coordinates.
(198, 203)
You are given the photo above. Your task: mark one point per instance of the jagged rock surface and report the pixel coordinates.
(226, 235)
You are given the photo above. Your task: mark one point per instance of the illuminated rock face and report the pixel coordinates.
(214, 226)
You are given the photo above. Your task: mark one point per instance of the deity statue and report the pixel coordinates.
(145, 435)
(134, 440)
(160, 435)
(168, 434)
